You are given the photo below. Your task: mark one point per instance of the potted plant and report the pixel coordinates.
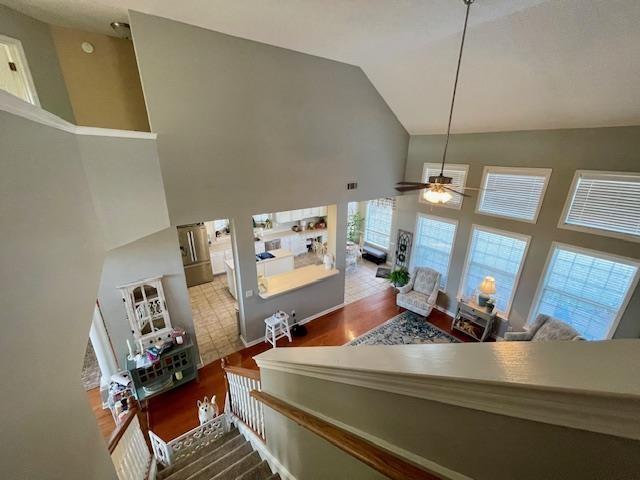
(399, 277)
(354, 227)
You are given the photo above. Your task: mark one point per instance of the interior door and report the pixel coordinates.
(15, 77)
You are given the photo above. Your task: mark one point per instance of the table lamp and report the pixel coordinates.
(487, 288)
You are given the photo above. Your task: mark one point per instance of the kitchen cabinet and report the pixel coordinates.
(217, 262)
(298, 244)
(277, 266)
(319, 212)
(231, 278)
(284, 217)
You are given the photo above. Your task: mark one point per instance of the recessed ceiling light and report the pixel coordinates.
(87, 47)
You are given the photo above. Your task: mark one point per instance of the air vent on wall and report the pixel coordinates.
(352, 185)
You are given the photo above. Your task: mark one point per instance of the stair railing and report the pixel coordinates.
(385, 462)
(189, 443)
(239, 402)
(128, 448)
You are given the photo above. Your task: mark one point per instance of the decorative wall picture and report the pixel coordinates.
(403, 249)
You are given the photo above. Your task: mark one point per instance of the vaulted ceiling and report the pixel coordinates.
(528, 64)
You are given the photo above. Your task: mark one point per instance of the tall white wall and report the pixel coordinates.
(56, 209)
(50, 266)
(246, 128)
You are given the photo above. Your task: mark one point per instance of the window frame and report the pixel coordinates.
(452, 221)
(517, 171)
(465, 268)
(592, 230)
(537, 297)
(366, 223)
(449, 166)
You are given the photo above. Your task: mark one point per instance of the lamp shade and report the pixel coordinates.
(488, 285)
(437, 196)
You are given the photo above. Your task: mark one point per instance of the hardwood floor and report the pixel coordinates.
(174, 413)
(103, 417)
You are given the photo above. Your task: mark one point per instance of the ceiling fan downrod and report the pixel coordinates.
(468, 4)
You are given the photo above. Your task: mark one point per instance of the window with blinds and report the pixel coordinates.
(377, 230)
(457, 172)
(586, 289)
(498, 254)
(433, 243)
(513, 192)
(606, 203)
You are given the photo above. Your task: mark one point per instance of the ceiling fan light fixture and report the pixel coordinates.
(438, 196)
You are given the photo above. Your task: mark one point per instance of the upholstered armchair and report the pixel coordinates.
(421, 293)
(543, 329)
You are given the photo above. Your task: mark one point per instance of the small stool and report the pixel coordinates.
(276, 326)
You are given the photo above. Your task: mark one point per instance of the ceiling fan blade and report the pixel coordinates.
(455, 191)
(410, 188)
(413, 183)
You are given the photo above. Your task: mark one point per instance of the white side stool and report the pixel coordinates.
(276, 326)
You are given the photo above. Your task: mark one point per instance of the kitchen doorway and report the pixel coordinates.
(212, 287)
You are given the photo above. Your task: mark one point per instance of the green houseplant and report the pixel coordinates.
(399, 277)
(354, 226)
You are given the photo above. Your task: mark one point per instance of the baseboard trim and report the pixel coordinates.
(261, 447)
(301, 322)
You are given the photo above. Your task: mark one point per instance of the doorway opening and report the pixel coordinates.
(210, 271)
(370, 247)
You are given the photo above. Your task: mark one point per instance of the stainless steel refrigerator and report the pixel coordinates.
(194, 247)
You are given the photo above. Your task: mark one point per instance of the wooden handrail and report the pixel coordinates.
(243, 372)
(387, 463)
(120, 429)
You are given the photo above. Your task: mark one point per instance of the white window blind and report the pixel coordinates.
(377, 229)
(513, 192)
(497, 254)
(586, 289)
(433, 243)
(458, 174)
(606, 201)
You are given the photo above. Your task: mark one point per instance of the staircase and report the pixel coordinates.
(230, 457)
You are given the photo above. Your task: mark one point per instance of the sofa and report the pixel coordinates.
(421, 293)
(544, 329)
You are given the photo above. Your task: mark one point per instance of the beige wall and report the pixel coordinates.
(564, 151)
(104, 86)
(40, 51)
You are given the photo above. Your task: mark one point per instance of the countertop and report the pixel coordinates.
(278, 254)
(272, 234)
(295, 279)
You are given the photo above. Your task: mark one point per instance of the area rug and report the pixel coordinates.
(383, 272)
(408, 328)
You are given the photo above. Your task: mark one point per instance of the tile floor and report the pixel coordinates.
(214, 319)
(361, 281)
(214, 314)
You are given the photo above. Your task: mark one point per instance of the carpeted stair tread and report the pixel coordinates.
(275, 476)
(261, 471)
(204, 451)
(240, 467)
(222, 463)
(198, 461)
